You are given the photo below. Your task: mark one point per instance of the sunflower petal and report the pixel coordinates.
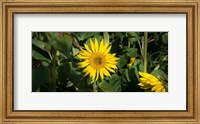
(164, 90)
(148, 76)
(92, 45)
(87, 48)
(107, 50)
(96, 44)
(93, 74)
(82, 57)
(142, 80)
(101, 73)
(84, 52)
(111, 65)
(113, 59)
(156, 87)
(108, 56)
(141, 84)
(112, 62)
(87, 72)
(146, 86)
(156, 83)
(153, 79)
(97, 75)
(88, 68)
(105, 71)
(83, 64)
(159, 89)
(132, 60)
(103, 49)
(109, 69)
(101, 45)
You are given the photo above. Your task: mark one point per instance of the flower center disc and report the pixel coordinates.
(97, 60)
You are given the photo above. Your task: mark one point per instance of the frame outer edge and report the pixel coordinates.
(1, 64)
(198, 61)
(1, 98)
(99, 1)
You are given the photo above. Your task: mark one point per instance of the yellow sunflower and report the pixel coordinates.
(148, 81)
(98, 62)
(132, 60)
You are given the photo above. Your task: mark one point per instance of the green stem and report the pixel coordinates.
(95, 87)
(145, 51)
(53, 73)
(140, 47)
(129, 43)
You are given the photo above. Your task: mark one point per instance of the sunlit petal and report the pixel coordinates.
(82, 57)
(106, 72)
(96, 44)
(101, 45)
(92, 45)
(109, 69)
(101, 73)
(87, 48)
(107, 50)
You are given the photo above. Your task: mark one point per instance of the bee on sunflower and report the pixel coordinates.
(97, 61)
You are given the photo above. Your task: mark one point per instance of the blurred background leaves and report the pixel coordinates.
(54, 60)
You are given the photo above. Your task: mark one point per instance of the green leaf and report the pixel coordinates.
(141, 67)
(72, 72)
(75, 76)
(121, 70)
(98, 36)
(61, 42)
(68, 72)
(87, 35)
(112, 84)
(75, 51)
(136, 67)
(38, 56)
(122, 61)
(165, 38)
(160, 75)
(106, 87)
(132, 73)
(127, 75)
(42, 45)
(133, 36)
(116, 81)
(45, 64)
(62, 73)
(39, 76)
(69, 84)
(90, 81)
(124, 81)
(75, 43)
(131, 52)
(106, 37)
(134, 76)
(119, 36)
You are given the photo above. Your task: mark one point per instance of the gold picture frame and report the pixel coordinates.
(10, 7)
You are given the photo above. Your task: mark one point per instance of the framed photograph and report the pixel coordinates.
(126, 61)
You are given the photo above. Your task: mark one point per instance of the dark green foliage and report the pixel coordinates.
(54, 60)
